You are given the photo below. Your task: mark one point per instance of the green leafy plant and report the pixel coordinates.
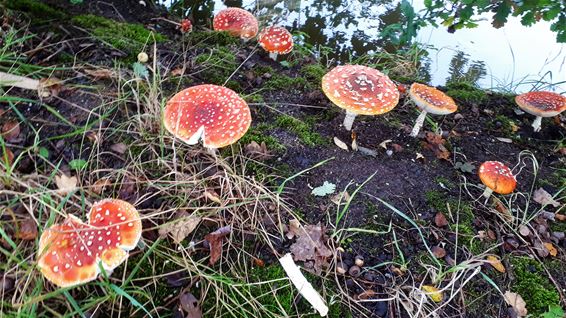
(465, 14)
(554, 311)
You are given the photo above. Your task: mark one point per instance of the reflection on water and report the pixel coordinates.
(501, 58)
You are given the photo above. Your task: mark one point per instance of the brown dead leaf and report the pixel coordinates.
(257, 151)
(178, 71)
(551, 249)
(258, 262)
(340, 144)
(491, 235)
(7, 158)
(294, 227)
(120, 148)
(190, 305)
(100, 184)
(542, 197)
(435, 143)
(100, 73)
(215, 240)
(560, 217)
(11, 130)
(397, 271)
(516, 301)
(51, 86)
(540, 248)
(503, 210)
(434, 293)
(212, 196)
(180, 228)
(27, 230)
(440, 220)
(495, 262)
(66, 184)
(438, 252)
(311, 246)
(367, 294)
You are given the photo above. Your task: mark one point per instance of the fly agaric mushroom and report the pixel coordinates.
(276, 40)
(541, 104)
(237, 22)
(429, 100)
(215, 114)
(72, 252)
(360, 90)
(496, 177)
(186, 26)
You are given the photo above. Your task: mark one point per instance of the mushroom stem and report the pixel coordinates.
(211, 151)
(537, 123)
(487, 193)
(273, 56)
(349, 120)
(418, 124)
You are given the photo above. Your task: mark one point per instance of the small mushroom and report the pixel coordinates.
(541, 104)
(359, 260)
(276, 40)
(496, 177)
(72, 252)
(215, 114)
(355, 271)
(341, 268)
(186, 26)
(429, 100)
(237, 22)
(360, 90)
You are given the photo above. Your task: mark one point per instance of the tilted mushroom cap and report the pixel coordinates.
(498, 177)
(214, 113)
(432, 100)
(543, 104)
(360, 89)
(71, 253)
(276, 39)
(238, 22)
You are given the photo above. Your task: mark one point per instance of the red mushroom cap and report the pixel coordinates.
(276, 39)
(543, 104)
(70, 253)
(186, 26)
(237, 22)
(432, 100)
(498, 177)
(360, 89)
(214, 113)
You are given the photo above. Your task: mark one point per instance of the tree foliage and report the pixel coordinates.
(464, 14)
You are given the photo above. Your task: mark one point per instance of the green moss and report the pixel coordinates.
(260, 70)
(40, 12)
(283, 82)
(217, 65)
(313, 72)
(466, 92)
(259, 134)
(303, 129)
(254, 98)
(503, 124)
(127, 37)
(447, 183)
(531, 283)
(207, 38)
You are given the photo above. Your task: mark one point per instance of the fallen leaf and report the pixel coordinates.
(397, 147)
(340, 144)
(294, 226)
(516, 301)
(340, 197)
(120, 148)
(100, 184)
(178, 71)
(542, 197)
(180, 228)
(212, 196)
(384, 143)
(258, 262)
(551, 249)
(311, 246)
(215, 240)
(505, 140)
(440, 220)
(27, 230)
(325, 189)
(51, 86)
(190, 305)
(438, 252)
(540, 248)
(499, 207)
(465, 167)
(7, 157)
(66, 184)
(11, 130)
(495, 262)
(434, 293)
(93, 136)
(435, 143)
(367, 294)
(100, 73)
(257, 151)
(560, 217)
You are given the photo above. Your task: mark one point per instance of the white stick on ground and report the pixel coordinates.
(7, 79)
(418, 124)
(273, 56)
(537, 124)
(349, 120)
(302, 285)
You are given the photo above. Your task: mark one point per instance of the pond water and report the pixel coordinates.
(512, 58)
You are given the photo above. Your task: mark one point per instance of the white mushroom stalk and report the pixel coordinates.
(537, 124)
(487, 192)
(349, 120)
(419, 123)
(273, 56)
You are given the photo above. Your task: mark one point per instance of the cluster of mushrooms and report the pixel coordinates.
(75, 252)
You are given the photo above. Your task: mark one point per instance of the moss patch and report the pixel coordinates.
(313, 72)
(40, 12)
(283, 82)
(303, 129)
(207, 38)
(504, 125)
(216, 66)
(466, 92)
(531, 283)
(127, 37)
